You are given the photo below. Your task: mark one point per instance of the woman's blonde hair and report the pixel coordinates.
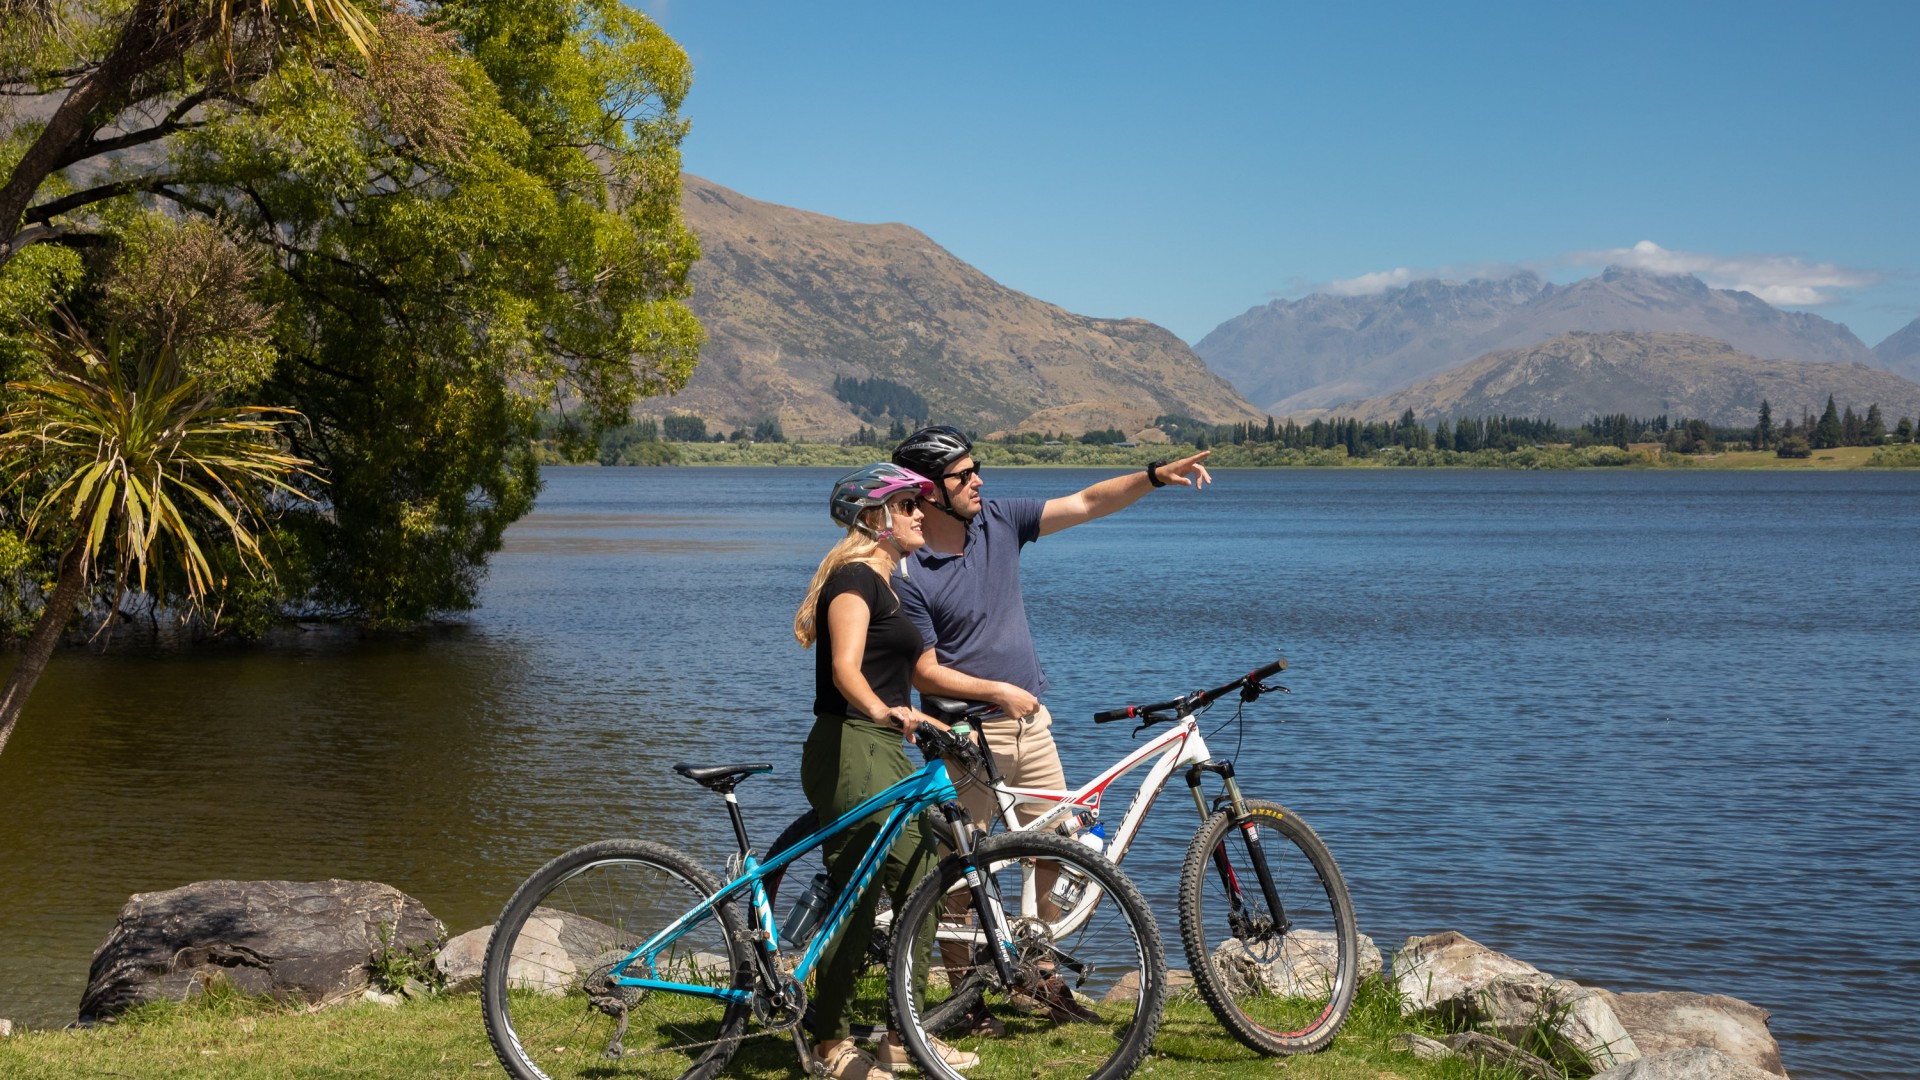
(855, 547)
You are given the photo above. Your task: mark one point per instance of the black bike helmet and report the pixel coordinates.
(931, 449)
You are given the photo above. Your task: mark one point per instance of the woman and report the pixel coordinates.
(863, 682)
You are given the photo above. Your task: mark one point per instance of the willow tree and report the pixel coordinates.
(476, 220)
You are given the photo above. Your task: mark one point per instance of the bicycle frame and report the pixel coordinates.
(928, 787)
(1179, 746)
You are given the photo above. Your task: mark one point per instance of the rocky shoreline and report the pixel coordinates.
(324, 943)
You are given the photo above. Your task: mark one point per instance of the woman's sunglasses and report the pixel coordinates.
(905, 506)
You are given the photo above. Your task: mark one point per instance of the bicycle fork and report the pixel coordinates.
(986, 894)
(1249, 833)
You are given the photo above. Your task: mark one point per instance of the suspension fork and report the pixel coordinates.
(986, 899)
(1237, 813)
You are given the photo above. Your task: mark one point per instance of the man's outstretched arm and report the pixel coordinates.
(1119, 493)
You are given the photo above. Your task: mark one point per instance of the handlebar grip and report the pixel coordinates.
(1110, 715)
(1279, 665)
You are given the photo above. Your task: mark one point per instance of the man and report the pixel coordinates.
(962, 590)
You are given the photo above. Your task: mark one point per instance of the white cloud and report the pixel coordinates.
(1778, 279)
(1371, 284)
(1782, 280)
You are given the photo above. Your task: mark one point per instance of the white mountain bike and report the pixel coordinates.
(1265, 917)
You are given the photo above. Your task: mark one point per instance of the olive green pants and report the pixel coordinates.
(846, 762)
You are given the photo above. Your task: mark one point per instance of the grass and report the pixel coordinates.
(224, 1036)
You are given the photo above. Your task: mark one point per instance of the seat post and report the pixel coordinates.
(739, 823)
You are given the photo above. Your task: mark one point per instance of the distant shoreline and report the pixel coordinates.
(1559, 457)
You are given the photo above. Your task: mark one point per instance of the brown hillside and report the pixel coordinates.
(792, 299)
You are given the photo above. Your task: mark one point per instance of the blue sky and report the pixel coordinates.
(1183, 163)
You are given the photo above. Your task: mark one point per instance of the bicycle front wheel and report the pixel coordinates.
(552, 991)
(1280, 977)
(1088, 989)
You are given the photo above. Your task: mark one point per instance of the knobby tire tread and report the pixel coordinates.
(1211, 982)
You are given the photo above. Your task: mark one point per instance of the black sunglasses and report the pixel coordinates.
(963, 475)
(905, 506)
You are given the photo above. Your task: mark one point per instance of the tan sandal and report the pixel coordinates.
(892, 1054)
(849, 1062)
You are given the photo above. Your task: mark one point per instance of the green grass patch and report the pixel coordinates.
(223, 1036)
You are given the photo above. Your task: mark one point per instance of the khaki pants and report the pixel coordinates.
(1024, 752)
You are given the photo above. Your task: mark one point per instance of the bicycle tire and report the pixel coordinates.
(1278, 989)
(1097, 1023)
(552, 1011)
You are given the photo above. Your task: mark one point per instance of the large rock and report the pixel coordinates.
(1698, 1063)
(461, 960)
(306, 940)
(558, 951)
(1446, 972)
(1673, 1020)
(1569, 1024)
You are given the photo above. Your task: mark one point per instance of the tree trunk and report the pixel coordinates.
(46, 635)
(146, 42)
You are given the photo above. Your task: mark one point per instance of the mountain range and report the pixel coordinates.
(1579, 375)
(1293, 355)
(793, 301)
(1900, 353)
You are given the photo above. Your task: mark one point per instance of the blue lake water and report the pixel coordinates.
(1645, 730)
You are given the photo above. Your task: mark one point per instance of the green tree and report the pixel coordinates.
(140, 467)
(1904, 432)
(684, 428)
(1827, 433)
(478, 219)
(1763, 430)
(1873, 429)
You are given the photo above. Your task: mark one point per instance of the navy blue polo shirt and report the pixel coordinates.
(968, 606)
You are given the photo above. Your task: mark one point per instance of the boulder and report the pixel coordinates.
(1695, 1063)
(1563, 1021)
(1485, 1048)
(460, 960)
(558, 951)
(1302, 965)
(1445, 972)
(1127, 987)
(310, 941)
(1674, 1020)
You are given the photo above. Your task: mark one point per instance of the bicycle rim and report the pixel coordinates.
(1089, 988)
(553, 1007)
(1282, 982)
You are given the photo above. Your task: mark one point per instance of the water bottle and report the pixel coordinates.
(1072, 884)
(804, 918)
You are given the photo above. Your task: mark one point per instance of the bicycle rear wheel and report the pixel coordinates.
(1281, 980)
(553, 1006)
(1088, 989)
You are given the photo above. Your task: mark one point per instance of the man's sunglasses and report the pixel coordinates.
(963, 475)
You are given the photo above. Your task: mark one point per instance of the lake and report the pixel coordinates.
(1645, 730)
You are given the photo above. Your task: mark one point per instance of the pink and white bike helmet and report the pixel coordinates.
(873, 486)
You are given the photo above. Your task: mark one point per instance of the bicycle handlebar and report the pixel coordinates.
(1248, 685)
(938, 742)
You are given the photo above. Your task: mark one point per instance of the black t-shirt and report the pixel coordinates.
(893, 645)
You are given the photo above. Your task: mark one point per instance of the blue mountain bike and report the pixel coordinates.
(626, 958)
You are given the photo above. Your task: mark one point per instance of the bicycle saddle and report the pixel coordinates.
(716, 776)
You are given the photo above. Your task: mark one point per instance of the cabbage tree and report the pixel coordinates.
(139, 470)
